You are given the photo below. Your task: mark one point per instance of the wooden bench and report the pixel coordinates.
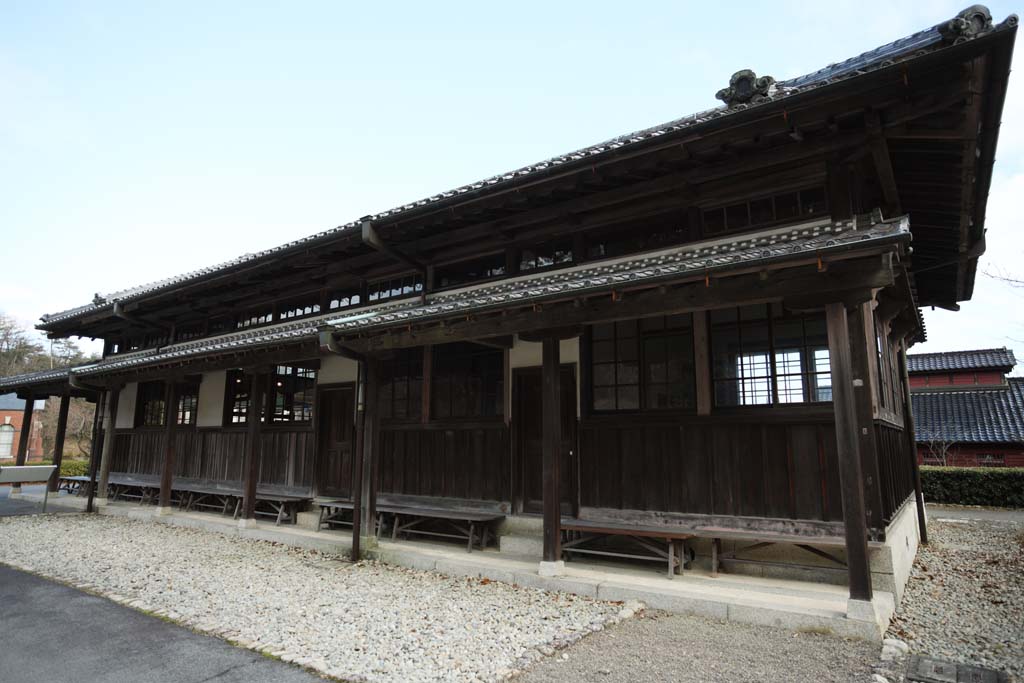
(74, 484)
(582, 533)
(467, 525)
(283, 507)
(333, 511)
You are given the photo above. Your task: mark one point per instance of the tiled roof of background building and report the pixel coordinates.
(945, 361)
(983, 416)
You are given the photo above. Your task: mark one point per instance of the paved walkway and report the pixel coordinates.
(963, 512)
(55, 633)
(10, 507)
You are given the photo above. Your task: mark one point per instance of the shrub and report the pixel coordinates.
(990, 486)
(74, 468)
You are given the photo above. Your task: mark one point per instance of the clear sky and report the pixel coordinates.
(139, 140)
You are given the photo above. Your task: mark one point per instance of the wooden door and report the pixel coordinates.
(529, 456)
(336, 408)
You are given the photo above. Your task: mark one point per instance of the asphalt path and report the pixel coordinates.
(51, 632)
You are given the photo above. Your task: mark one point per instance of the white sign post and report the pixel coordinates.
(29, 474)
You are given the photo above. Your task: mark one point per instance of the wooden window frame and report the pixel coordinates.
(151, 410)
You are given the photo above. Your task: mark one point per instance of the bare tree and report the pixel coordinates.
(18, 352)
(941, 450)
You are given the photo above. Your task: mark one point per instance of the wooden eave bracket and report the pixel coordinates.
(373, 239)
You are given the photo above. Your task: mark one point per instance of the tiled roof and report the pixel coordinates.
(714, 256)
(976, 416)
(34, 378)
(886, 56)
(976, 359)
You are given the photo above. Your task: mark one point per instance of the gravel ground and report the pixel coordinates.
(656, 647)
(356, 622)
(965, 597)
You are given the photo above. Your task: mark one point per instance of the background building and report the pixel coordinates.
(12, 410)
(968, 413)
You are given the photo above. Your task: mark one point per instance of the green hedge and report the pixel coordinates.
(74, 468)
(989, 486)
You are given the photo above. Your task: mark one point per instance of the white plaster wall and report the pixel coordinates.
(126, 406)
(211, 399)
(336, 369)
(901, 538)
(525, 354)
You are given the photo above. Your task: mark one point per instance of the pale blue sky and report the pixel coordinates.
(141, 140)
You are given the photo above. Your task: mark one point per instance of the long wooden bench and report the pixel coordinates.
(468, 525)
(472, 526)
(583, 533)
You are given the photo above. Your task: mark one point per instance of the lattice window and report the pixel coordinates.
(292, 390)
(151, 408)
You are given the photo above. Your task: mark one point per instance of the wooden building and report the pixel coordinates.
(697, 329)
(969, 412)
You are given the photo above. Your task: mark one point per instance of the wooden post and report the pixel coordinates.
(862, 351)
(908, 430)
(850, 478)
(551, 405)
(58, 441)
(109, 424)
(357, 464)
(428, 382)
(251, 465)
(368, 482)
(702, 362)
(26, 432)
(170, 447)
(94, 451)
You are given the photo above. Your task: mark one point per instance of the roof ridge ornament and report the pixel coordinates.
(746, 88)
(970, 23)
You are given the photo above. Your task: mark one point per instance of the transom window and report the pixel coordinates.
(645, 363)
(806, 203)
(236, 398)
(762, 356)
(395, 287)
(546, 256)
(151, 409)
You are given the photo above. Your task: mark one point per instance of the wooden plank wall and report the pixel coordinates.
(287, 456)
(752, 467)
(467, 461)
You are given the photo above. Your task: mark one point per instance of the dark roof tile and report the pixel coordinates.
(971, 416)
(976, 359)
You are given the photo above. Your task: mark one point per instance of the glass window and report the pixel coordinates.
(401, 386)
(6, 441)
(236, 397)
(150, 405)
(468, 381)
(188, 403)
(395, 287)
(644, 363)
(546, 256)
(762, 356)
(292, 390)
(464, 272)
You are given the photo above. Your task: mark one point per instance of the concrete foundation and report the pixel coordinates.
(551, 568)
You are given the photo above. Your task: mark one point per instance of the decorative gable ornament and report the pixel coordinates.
(970, 23)
(746, 88)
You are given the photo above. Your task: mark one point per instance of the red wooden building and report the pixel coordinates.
(688, 337)
(968, 412)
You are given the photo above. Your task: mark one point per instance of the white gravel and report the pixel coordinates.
(368, 621)
(965, 598)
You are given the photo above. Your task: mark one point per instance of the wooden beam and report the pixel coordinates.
(95, 445)
(862, 274)
(357, 462)
(551, 406)
(253, 446)
(883, 165)
(58, 439)
(23, 437)
(170, 446)
(427, 385)
(850, 478)
(505, 341)
(373, 239)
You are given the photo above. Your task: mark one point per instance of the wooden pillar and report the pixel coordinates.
(357, 461)
(170, 445)
(909, 433)
(702, 363)
(94, 449)
(251, 464)
(862, 356)
(368, 479)
(58, 441)
(109, 424)
(26, 433)
(850, 478)
(551, 431)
